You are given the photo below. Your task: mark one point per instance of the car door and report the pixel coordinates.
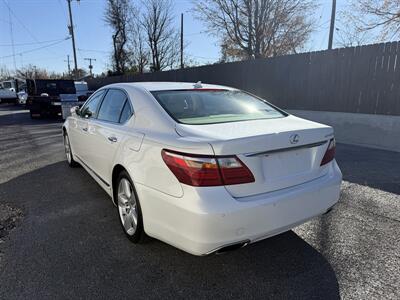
(79, 131)
(108, 131)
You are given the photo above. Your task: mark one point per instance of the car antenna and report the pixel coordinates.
(197, 85)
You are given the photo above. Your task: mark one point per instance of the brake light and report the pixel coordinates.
(204, 170)
(330, 152)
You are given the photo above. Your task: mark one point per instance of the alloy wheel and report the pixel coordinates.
(127, 206)
(67, 148)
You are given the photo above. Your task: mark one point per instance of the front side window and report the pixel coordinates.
(112, 106)
(214, 106)
(90, 108)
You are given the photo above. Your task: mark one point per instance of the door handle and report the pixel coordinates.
(112, 139)
(84, 129)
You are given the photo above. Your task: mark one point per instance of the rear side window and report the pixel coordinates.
(90, 108)
(214, 106)
(126, 112)
(112, 106)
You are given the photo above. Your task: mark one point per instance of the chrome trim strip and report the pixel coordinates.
(266, 153)
(91, 170)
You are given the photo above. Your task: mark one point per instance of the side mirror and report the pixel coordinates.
(75, 110)
(87, 114)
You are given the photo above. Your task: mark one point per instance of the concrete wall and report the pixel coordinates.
(376, 131)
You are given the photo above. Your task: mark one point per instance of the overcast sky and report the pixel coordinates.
(39, 29)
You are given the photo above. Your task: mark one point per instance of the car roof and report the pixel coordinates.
(166, 85)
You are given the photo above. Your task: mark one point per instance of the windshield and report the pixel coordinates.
(214, 106)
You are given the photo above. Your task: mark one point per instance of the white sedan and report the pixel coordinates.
(205, 168)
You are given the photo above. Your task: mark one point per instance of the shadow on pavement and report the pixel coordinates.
(70, 245)
(19, 115)
(375, 168)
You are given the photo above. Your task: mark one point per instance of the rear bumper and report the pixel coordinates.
(206, 219)
(45, 107)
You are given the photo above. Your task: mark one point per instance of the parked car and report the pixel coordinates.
(205, 168)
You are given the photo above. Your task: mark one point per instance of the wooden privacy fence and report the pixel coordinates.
(363, 79)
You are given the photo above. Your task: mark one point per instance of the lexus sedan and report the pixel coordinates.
(205, 168)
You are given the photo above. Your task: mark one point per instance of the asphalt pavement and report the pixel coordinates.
(65, 241)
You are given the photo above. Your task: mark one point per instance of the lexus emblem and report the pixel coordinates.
(294, 138)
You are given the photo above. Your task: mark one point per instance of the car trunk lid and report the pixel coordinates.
(280, 152)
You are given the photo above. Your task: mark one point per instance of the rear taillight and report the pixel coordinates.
(202, 170)
(330, 152)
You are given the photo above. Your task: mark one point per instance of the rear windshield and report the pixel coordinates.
(216, 106)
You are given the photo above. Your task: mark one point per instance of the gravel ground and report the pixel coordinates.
(67, 242)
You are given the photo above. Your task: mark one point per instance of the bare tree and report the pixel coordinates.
(258, 28)
(141, 52)
(350, 36)
(162, 38)
(117, 17)
(31, 71)
(379, 18)
(4, 72)
(137, 47)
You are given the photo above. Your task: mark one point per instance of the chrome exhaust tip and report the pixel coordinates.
(232, 247)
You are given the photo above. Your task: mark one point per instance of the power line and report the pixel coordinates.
(64, 11)
(35, 49)
(91, 50)
(12, 39)
(208, 31)
(32, 43)
(19, 21)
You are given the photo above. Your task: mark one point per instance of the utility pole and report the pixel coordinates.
(90, 64)
(12, 39)
(71, 32)
(69, 65)
(181, 41)
(331, 29)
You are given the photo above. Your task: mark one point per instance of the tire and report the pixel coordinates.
(128, 208)
(68, 152)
